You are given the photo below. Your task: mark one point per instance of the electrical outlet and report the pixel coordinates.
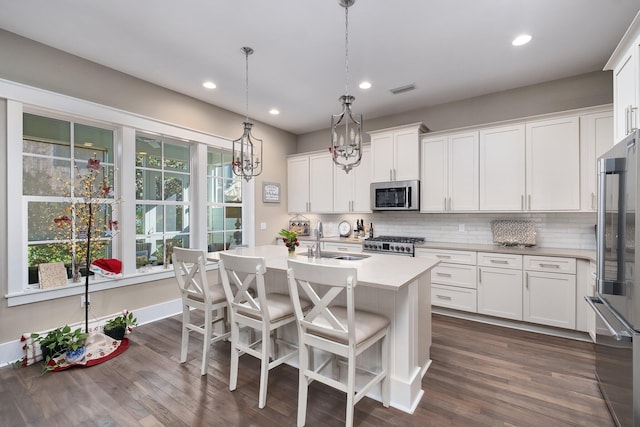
(263, 226)
(82, 301)
(461, 228)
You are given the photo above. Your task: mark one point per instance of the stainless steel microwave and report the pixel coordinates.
(395, 196)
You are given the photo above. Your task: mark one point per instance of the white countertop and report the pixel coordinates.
(377, 270)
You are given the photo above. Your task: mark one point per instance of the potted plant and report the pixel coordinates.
(117, 327)
(290, 239)
(58, 342)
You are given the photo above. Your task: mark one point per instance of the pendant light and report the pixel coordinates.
(346, 127)
(247, 150)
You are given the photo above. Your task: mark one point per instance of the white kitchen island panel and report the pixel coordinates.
(397, 287)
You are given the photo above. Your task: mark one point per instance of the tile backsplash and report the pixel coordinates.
(553, 230)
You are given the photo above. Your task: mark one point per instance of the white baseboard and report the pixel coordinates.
(12, 351)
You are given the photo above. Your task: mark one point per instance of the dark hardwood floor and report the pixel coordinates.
(481, 375)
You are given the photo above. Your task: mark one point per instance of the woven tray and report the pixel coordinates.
(513, 233)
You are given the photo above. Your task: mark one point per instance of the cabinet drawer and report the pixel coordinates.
(550, 264)
(455, 257)
(454, 297)
(486, 259)
(342, 247)
(454, 274)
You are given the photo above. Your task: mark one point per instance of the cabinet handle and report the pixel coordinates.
(479, 275)
(549, 265)
(449, 203)
(632, 115)
(444, 297)
(526, 280)
(529, 201)
(445, 203)
(522, 202)
(443, 274)
(593, 200)
(499, 261)
(342, 248)
(443, 256)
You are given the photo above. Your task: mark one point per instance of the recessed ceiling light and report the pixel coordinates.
(274, 111)
(209, 85)
(521, 40)
(365, 85)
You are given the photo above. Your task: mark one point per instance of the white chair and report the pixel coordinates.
(189, 268)
(265, 312)
(342, 331)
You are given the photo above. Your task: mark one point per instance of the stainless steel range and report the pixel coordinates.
(392, 245)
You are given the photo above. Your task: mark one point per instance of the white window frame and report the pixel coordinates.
(20, 97)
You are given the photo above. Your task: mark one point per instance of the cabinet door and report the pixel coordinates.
(362, 183)
(433, 184)
(351, 190)
(382, 161)
(553, 165)
(321, 183)
(407, 155)
(463, 172)
(596, 137)
(343, 189)
(298, 184)
(550, 299)
(502, 168)
(341, 247)
(500, 292)
(625, 87)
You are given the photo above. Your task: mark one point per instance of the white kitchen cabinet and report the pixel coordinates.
(502, 168)
(596, 137)
(625, 64)
(395, 153)
(298, 184)
(453, 281)
(351, 192)
(549, 296)
(341, 247)
(553, 164)
(449, 178)
(500, 288)
(310, 183)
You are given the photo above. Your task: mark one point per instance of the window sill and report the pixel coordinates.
(96, 283)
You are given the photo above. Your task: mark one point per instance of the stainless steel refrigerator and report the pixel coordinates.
(617, 301)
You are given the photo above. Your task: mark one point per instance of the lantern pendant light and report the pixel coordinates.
(346, 127)
(247, 150)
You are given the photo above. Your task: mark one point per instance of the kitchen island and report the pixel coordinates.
(395, 286)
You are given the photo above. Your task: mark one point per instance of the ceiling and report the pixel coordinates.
(449, 49)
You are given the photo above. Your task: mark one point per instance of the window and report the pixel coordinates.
(163, 197)
(55, 154)
(224, 202)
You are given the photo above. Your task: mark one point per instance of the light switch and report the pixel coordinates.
(263, 226)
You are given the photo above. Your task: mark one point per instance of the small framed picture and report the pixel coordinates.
(271, 192)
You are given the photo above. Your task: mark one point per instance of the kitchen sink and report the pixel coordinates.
(343, 256)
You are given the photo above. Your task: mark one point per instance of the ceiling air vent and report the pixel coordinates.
(402, 89)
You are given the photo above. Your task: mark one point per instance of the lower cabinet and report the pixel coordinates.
(550, 291)
(453, 281)
(341, 247)
(500, 292)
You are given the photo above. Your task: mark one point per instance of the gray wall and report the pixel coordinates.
(34, 64)
(585, 90)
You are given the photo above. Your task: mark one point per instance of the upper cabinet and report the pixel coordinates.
(625, 63)
(449, 179)
(395, 153)
(502, 168)
(553, 164)
(351, 190)
(596, 137)
(310, 183)
(533, 166)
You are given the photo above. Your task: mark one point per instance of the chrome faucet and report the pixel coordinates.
(318, 236)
